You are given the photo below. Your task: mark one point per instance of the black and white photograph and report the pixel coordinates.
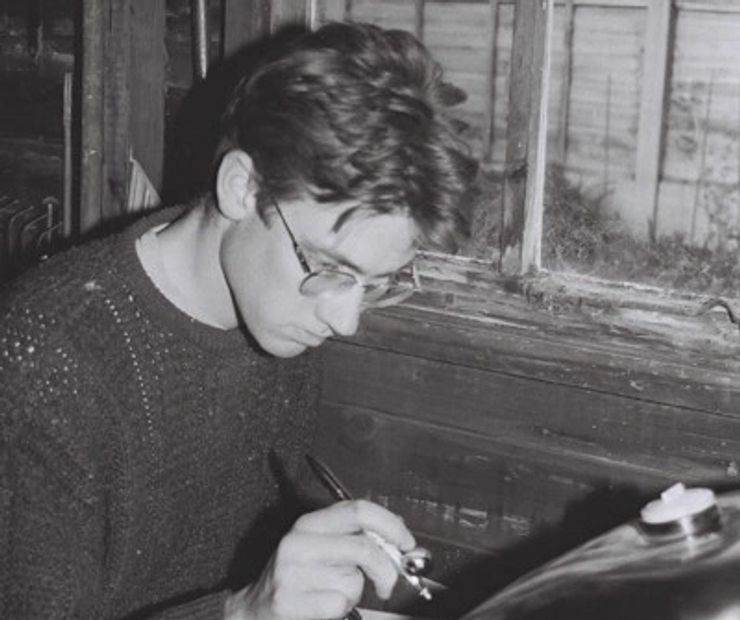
(369, 309)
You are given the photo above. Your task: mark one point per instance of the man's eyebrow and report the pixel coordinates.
(339, 259)
(344, 216)
(335, 258)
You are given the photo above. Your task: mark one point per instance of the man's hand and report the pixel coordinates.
(319, 568)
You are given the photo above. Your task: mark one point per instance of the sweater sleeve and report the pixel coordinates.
(50, 541)
(55, 561)
(209, 607)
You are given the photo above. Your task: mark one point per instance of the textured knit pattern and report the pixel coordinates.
(143, 454)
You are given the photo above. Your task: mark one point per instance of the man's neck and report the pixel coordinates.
(183, 262)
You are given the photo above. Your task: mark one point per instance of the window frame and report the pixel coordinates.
(482, 292)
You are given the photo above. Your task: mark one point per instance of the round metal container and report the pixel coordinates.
(685, 566)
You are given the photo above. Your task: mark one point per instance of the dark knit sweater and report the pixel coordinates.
(141, 450)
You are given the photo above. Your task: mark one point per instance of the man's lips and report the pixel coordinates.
(312, 339)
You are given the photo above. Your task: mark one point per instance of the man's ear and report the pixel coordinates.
(236, 185)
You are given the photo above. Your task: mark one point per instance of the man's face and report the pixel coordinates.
(264, 275)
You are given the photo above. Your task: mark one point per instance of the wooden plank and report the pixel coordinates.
(419, 10)
(123, 103)
(495, 459)
(117, 89)
(653, 106)
(289, 14)
(608, 429)
(91, 165)
(148, 80)
(67, 210)
(584, 360)
(567, 78)
(518, 505)
(35, 37)
(453, 475)
(243, 23)
(603, 335)
(526, 137)
(490, 102)
(708, 7)
(614, 4)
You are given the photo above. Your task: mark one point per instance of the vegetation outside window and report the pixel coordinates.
(642, 136)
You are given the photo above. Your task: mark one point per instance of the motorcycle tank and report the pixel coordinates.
(679, 560)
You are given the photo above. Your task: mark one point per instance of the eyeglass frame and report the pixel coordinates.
(310, 273)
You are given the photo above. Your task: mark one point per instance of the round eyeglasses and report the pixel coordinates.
(387, 291)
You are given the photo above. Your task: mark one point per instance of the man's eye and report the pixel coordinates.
(320, 262)
(326, 266)
(377, 284)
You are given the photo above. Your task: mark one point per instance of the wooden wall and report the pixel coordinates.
(511, 433)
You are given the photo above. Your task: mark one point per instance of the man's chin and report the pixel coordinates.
(282, 347)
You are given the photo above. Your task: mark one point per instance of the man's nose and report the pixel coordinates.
(342, 312)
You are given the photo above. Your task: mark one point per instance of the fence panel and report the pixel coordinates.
(699, 175)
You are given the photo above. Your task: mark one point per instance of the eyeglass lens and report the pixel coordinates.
(394, 290)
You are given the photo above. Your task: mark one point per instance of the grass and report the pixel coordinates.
(580, 236)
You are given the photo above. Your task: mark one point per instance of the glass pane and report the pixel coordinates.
(460, 36)
(599, 218)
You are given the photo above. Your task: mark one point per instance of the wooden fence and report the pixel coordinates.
(644, 99)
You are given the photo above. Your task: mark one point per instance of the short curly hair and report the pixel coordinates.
(353, 112)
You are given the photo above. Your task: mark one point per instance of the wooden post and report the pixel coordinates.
(123, 94)
(91, 173)
(36, 29)
(565, 84)
(419, 11)
(68, 166)
(244, 22)
(289, 13)
(699, 185)
(607, 133)
(526, 137)
(117, 89)
(655, 76)
(737, 207)
(148, 87)
(490, 111)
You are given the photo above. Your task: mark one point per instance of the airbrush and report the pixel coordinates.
(411, 565)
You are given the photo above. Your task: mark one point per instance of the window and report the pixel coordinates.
(642, 174)
(643, 144)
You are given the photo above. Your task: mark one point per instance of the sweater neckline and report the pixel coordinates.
(234, 341)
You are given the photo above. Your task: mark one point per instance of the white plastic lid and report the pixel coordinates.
(676, 503)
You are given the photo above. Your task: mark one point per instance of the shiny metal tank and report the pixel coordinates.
(674, 562)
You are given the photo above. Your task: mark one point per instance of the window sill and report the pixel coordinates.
(628, 339)
(494, 410)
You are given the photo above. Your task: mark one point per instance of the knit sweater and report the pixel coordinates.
(143, 453)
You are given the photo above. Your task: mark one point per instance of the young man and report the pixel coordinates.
(153, 398)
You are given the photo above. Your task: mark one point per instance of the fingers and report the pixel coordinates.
(320, 566)
(324, 604)
(350, 517)
(352, 533)
(312, 591)
(346, 551)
